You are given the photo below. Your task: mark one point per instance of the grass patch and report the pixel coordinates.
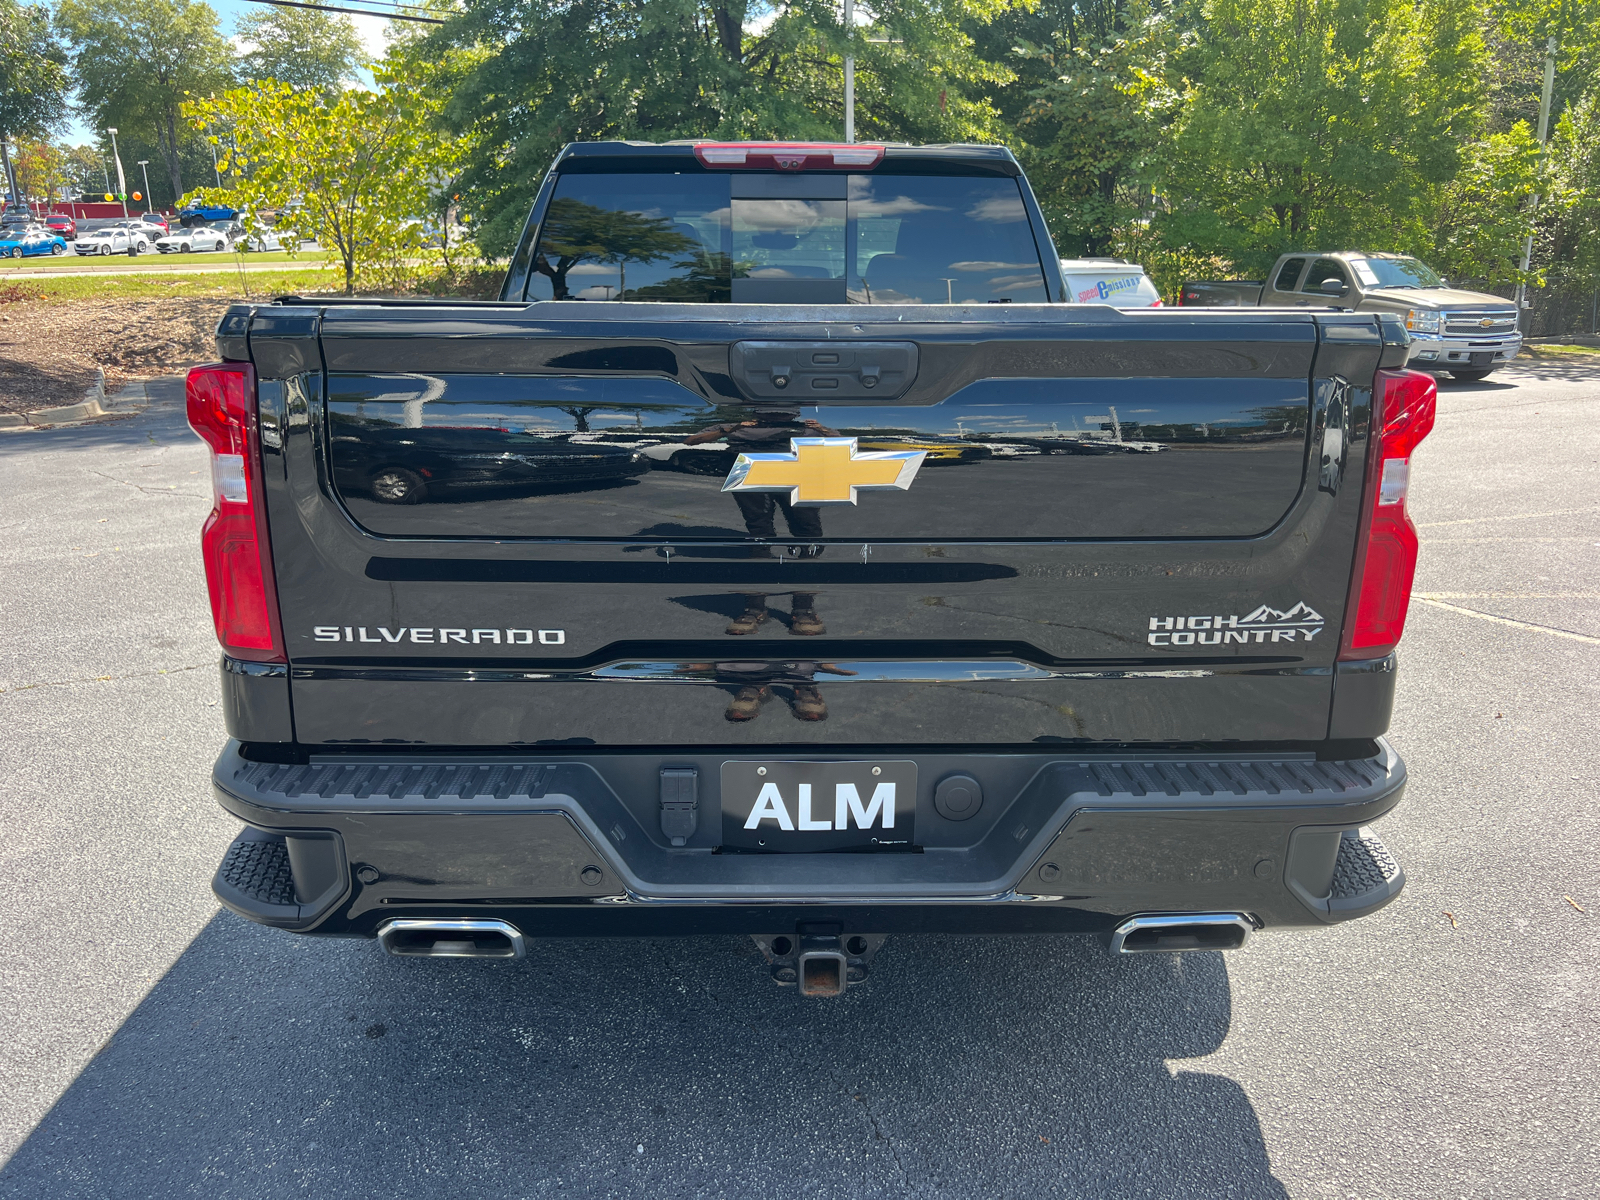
(226, 285)
(121, 262)
(1559, 350)
(472, 283)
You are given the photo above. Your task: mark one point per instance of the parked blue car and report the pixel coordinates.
(15, 243)
(206, 214)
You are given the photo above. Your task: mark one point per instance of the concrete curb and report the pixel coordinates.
(93, 405)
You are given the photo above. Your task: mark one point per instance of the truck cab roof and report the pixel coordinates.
(689, 157)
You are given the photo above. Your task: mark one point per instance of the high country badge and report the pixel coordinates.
(1300, 624)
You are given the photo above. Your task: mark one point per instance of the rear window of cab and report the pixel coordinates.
(716, 238)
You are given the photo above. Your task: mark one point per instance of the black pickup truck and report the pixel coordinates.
(996, 614)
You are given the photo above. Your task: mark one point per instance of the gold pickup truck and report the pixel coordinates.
(1468, 334)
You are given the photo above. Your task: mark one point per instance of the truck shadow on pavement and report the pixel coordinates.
(265, 1064)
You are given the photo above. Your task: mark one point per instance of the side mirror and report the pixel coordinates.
(1333, 287)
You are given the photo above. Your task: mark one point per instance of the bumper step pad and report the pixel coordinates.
(283, 880)
(260, 871)
(1365, 874)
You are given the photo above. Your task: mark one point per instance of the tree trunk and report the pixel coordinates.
(730, 33)
(167, 143)
(11, 177)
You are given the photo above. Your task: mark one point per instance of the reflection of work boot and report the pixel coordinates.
(749, 620)
(808, 703)
(806, 623)
(746, 706)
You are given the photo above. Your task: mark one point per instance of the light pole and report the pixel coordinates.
(849, 75)
(144, 165)
(122, 183)
(1544, 138)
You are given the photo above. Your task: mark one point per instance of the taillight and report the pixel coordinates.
(788, 156)
(238, 557)
(1403, 404)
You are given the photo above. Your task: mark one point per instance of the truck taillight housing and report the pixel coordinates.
(1403, 405)
(244, 600)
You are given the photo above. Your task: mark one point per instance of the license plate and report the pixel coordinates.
(801, 807)
(1483, 359)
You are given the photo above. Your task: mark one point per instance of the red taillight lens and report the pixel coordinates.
(1404, 405)
(238, 558)
(789, 156)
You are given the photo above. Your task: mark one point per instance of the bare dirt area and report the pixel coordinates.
(49, 351)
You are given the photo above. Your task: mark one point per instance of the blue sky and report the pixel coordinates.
(370, 28)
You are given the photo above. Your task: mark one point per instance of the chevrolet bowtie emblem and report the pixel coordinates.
(1486, 323)
(824, 470)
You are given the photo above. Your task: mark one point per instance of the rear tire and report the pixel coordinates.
(58, 250)
(396, 485)
(1470, 376)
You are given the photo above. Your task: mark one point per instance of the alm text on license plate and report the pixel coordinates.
(812, 806)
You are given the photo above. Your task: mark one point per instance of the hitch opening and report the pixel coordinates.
(821, 958)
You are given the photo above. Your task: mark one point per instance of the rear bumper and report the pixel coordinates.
(575, 846)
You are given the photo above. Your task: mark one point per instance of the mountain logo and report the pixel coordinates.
(1261, 625)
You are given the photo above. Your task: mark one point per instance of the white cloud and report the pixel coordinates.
(998, 209)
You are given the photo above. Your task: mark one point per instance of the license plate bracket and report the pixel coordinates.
(796, 806)
(1482, 358)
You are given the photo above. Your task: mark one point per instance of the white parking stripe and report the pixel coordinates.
(1482, 616)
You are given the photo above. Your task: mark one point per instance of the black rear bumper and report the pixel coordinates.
(583, 845)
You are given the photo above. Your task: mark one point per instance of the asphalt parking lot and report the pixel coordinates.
(1446, 1047)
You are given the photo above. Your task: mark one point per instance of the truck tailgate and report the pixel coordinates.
(490, 528)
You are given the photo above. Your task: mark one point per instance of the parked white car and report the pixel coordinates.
(1109, 281)
(145, 229)
(268, 240)
(196, 239)
(112, 241)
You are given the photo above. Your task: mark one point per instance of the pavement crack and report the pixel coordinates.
(152, 491)
(23, 687)
(877, 1131)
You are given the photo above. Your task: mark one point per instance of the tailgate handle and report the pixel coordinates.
(840, 370)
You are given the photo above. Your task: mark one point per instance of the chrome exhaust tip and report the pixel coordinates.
(411, 938)
(1166, 933)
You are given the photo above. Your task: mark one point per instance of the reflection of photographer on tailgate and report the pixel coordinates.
(769, 434)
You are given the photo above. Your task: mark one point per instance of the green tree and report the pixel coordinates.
(135, 62)
(300, 47)
(33, 79)
(1319, 122)
(1571, 221)
(1095, 123)
(545, 72)
(352, 170)
(1483, 214)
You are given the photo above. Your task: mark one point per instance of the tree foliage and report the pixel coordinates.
(352, 171)
(1095, 124)
(136, 61)
(33, 77)
(539, 73)
(1319, 121)
(300, 47)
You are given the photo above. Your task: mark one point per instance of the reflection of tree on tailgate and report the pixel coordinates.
(576, 232)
